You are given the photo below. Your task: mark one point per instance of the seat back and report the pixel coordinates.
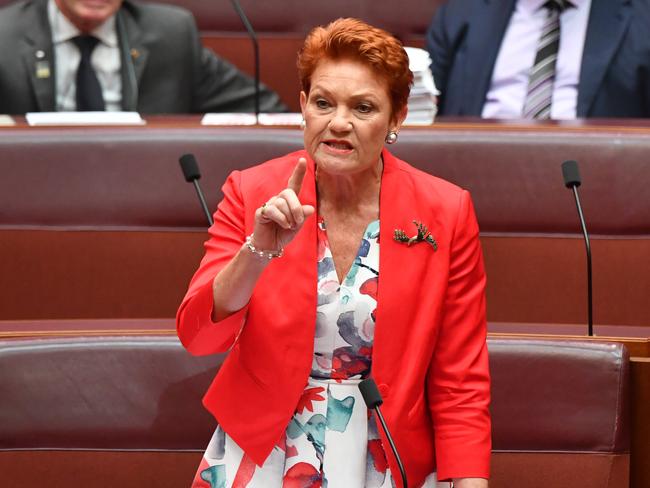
(126, 411)
(99, 223)
(561, 414)
(104, 411)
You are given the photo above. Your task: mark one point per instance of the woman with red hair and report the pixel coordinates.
(333, 264)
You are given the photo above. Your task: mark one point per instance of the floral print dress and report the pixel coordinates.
(331, 441)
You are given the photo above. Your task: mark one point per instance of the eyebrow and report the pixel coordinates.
(370, 95)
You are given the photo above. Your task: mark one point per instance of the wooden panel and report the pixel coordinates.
(640, 463)
(544, 280)
(559, 470)
(93, 469)
(67, 275)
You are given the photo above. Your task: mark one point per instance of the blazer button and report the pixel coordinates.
(384, 390)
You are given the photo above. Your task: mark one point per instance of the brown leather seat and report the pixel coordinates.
(561, 414)
(106, 411)
(126, 411)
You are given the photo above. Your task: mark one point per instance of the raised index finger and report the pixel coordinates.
(295, 180)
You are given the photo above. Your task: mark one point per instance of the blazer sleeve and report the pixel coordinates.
(195, 328)
(458, 380)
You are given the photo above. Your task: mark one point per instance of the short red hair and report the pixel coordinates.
(354, 39)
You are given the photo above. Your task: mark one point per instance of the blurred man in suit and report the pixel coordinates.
(58, 55)
(486, 55)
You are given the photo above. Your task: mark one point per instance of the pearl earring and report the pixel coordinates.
(391, 138)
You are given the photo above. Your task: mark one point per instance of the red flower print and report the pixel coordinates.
(308, 396)
(302, 475)
(376, 452)
(291, 451)
(369, 287)
(244, 473)
(365, 351)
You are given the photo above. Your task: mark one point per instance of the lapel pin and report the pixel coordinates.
(42, 69)
(135, 54)
(423, 235)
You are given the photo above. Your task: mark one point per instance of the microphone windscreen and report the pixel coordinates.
(370, 393)
(571, 173)
(190, 167)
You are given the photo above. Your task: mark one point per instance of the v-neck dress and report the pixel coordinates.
(331, 441)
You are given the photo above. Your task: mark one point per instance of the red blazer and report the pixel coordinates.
(429, 357)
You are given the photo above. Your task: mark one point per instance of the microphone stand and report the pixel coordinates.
(373, 400)
(590, 313)
(572, 180)
(256, 52)
(204, 205)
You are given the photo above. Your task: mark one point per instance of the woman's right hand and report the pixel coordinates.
(278, 221)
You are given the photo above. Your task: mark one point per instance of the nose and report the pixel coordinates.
(340, 121)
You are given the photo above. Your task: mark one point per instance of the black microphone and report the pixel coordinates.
(256, 51)
(192, 175)
(572, 180)
(373, 400)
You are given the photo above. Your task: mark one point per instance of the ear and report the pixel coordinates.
(399, 118)
(303, 103)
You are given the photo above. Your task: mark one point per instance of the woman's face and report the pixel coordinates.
(347, 114)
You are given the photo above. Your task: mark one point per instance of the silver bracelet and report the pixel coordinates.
(263, 254)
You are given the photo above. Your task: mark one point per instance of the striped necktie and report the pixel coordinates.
(542, 75)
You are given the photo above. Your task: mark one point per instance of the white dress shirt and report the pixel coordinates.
(105, 60)
(507, 92)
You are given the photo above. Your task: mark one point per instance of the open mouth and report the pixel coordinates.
(338, 145)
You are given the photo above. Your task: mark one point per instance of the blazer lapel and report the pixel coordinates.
(133, 55)
(37, 54)
(484, 38)
(608, 21)
(299, 274)
(402, 268)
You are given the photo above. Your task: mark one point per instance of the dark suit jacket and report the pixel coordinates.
(465, 36)
(165, 69)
